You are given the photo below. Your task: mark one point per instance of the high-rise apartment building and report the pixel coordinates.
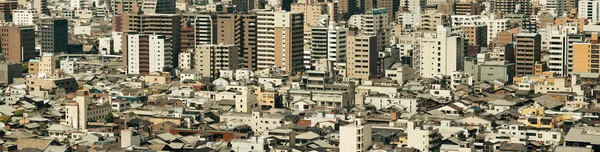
(476, 38)
(558, 42)
(6, 10)
(125, 6)
(355, 137)
(205, 27)
(560, 7)
(312, 15)
(280, 40)
(440, 53)
(148, 53)
(41, 6)
(153, 24)
(25, 17)
(468, 7)
(430, 21)
(210, 58)
(528, 47)
(188, 36)
(495, 26)
(348, 8)
(590, 10)
(413, 6)
(243, 6)
(229, 29)
(18, 42)
(159, 6)
(54, 35)
(374, 23)
(249, 41)
(587, 57)
(328, 43)
(361, 55)
(512, 6)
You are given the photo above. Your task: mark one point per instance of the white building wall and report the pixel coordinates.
(441, 53)
(116, 36)
(105, 45)
(495, 26)
(588, 9)
(355, 137)
(133, 67)
(25, 17)
(157, 53)
(381, 102)
(185, 59)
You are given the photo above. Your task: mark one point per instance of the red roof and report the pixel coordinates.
(304, 122)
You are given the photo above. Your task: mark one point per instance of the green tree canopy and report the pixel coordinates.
(109, 118)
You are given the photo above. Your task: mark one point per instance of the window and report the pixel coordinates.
(539, 135)
(554, 136)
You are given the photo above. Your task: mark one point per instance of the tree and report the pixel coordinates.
(109, 118)
(18, 113)
(5, 118)
(25, 66)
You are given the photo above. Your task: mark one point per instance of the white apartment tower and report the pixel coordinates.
(25, 17)
(355, 137)
(148, 53)
(440, 53)
(558, 41)
(588, 9)
(495, 26)
(280, 40)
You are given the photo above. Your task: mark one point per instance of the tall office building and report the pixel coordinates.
(18, 42)
(148, 53)
(159, 7)
(6, 10)
(54, 35)
(356, 137)
(249, 41)
(528, 47)
(361, 55)
(280, 40)
(440, 53)
(153, 24)
(210, 58)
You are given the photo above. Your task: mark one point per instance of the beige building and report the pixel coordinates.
(587, 57)
(210, 58)
(430, 21)
(82, 111)
(280, 40)
(18, 42)
(361, 55)
(268, 97)
(312, 15)
(47, 65)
